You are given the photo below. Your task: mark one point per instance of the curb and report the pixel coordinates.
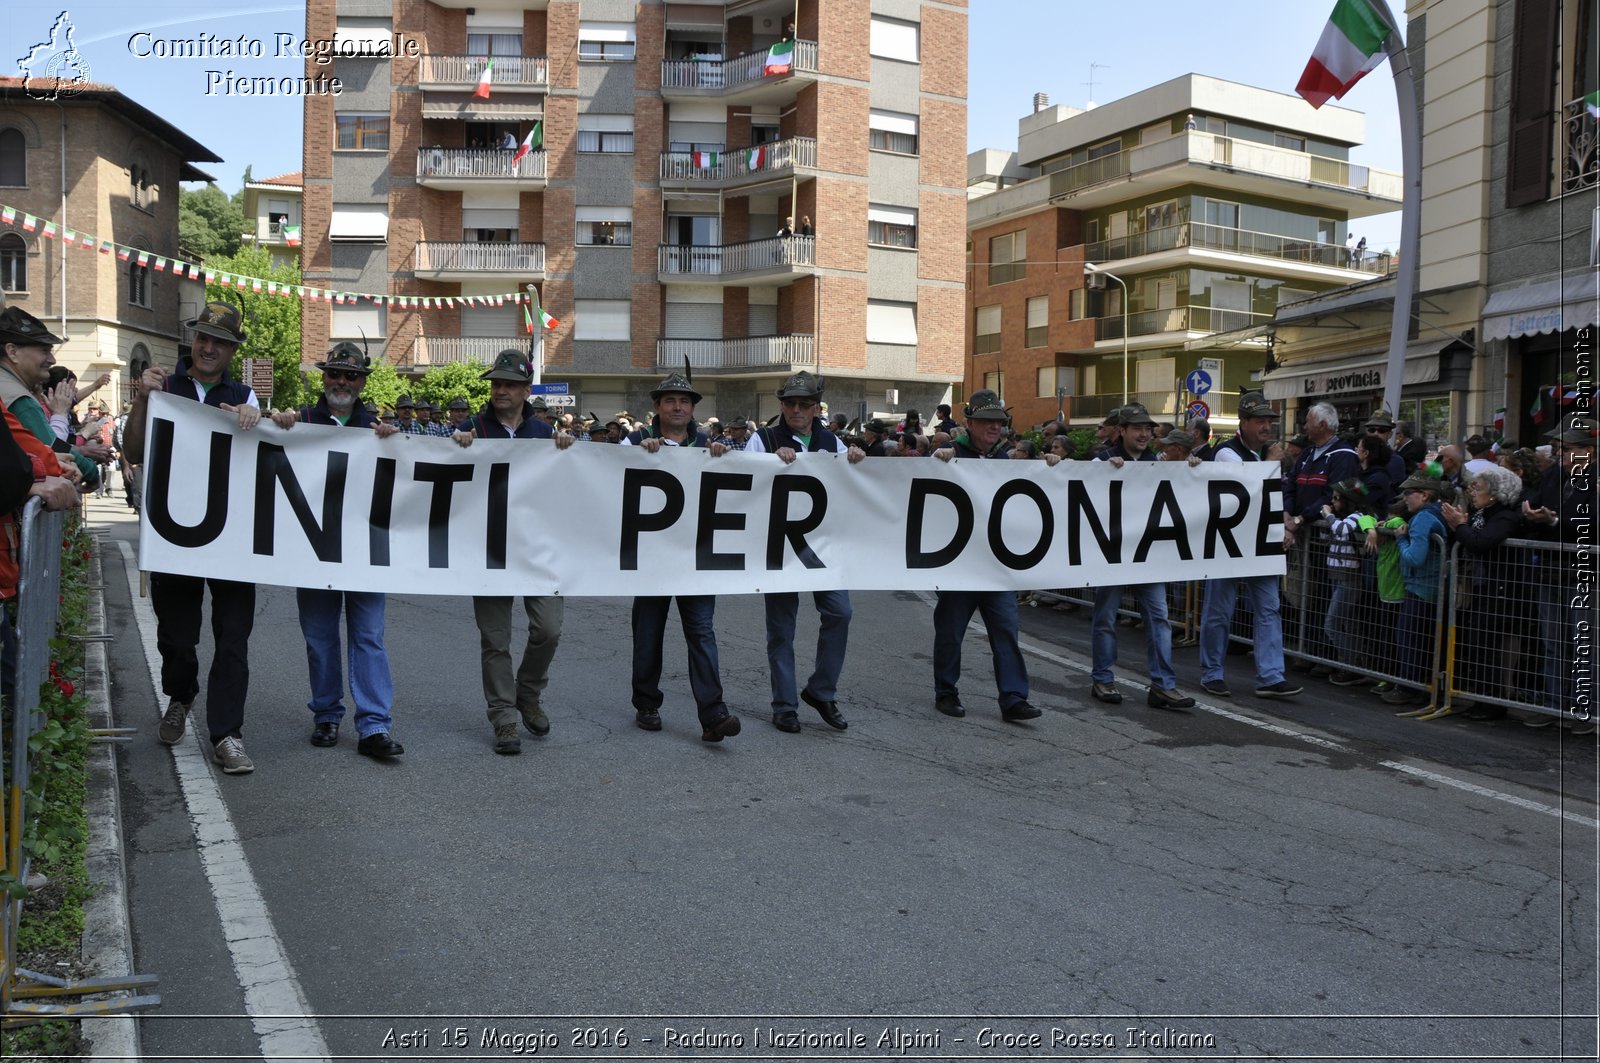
(107, 934)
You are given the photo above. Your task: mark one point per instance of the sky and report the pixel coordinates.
(1125, 47)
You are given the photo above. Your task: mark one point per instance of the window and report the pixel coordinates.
(359, 223)
(605, 133)
(13, 263)
(606, 40)
(138, 284)
(986, 330)
(1290, 141)
(892, 131)
(602, 319)
(996, 382)
(1038, 321)
(141, 189)
(889, 322)
(1534, 46)
(355, 321)
(497, 43)
(891, 226)
(13, 158)
(361, 132)
(489, 225)
(138, 361)
(1008, 257)
(893, 39)
(1053, 378)
(605, 227)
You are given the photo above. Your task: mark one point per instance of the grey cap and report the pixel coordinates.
(985, 405)
(510, 365)
(1255, 404)
(1178, 438)
(801, 386)
(1135, 413)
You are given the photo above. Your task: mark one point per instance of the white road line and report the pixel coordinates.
(273, 999)
(1286, 731)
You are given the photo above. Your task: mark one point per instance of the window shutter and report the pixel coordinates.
(1533, 75)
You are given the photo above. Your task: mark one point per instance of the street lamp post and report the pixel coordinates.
(1093, 270)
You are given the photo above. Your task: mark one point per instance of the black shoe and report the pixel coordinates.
(1019, 711)
(1283, 688)
(828, 710)
(787, 721)
(647, 719)
(724, 726)
(379, 745)
(1216, 688)
(1106, 692)
(1168, 698)
(950, 705)
(325, 734)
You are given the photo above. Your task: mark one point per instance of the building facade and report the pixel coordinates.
(668, 144)
(272, 216)
(1114, 241)
(95, 162)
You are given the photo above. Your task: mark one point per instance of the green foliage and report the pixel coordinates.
(209, 223)
(1083, 440)
(441, 383)
(384, 386)
(272, 321)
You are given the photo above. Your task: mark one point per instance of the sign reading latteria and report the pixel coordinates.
(316, 506)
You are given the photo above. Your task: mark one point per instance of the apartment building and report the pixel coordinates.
(272, 214)
(96, 163)
(667, 145)
(1114, 241)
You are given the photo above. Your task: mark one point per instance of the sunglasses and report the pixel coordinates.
(340, 374)
(800, 404)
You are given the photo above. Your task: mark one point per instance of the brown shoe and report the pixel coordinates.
(507, 743)
(534, 719)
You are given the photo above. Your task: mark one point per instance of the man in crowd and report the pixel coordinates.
(24, 369)
(1137, 428)
(1256, 427)
(177, 599)
(672, 427)
(942, 422)
(1381, 424)
(1205, 448)
(1451, 464)
(1176, 445)
(1412, 451)
(986, 418)
(738, 433)
(1326, 460)
(405, 408)
(873, 433)
(1482, 457)
(509, 415)
(460, 410)
(801, 431)
(344, 374)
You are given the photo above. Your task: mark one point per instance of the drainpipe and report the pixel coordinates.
(62, 112)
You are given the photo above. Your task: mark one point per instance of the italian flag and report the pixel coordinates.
(757, 156)
(705, 160)
(544, 318)
(123, 253)
(1591, 103)
(8, 215)
(780, 58)
(291, 235)
(1537, 412)
(482, 91)
(1351, 47)
(531, 142)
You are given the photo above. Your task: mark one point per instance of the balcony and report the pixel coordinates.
(271, 233)
(724, 169)
(460, 73)
(1580, 159)
(476, 350)
(464, 169)
(1181, 319)
(461, 260)
(738, 80)
(759, 354)
(1153, 247)
(775, 257)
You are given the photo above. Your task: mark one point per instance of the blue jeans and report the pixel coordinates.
(1152, 599)
(1216, 617)
(696, 612)
(370, 684)
(950, 618)
(1340, 624)
(833, 608)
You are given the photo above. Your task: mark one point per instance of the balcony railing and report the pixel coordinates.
(727, 260)
(721, 75)
(710, 166)
(478, 350)
(1176, 319)
(522, 72)
(1580, 162)
(486, 163)
(461, 256)
(744, 352)
(1239, 242)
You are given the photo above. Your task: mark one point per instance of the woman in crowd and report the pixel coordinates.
(1488, 580)
(1375, 455)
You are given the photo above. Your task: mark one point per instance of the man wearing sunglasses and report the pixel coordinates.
(344, 374)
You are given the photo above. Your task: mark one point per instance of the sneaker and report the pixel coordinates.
(1398, 695)
(173, 722)
(231, 757)
(1281, 689)
(507, 743)
(1342, 678)
(1383, 687)
(949, 704)
(1018, 711)
(1216, 688)
(534, 719)
(1106, 692)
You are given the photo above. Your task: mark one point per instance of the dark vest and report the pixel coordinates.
(1237, 446)
(776, 437)
(227, 390)
(320, 414)
(652, 430)
(487, 426)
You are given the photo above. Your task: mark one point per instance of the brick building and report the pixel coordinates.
(122, 164)
(647, 218)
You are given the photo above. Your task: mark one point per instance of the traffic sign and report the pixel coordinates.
(1198, 382)
(1198, 409)
(548, 389)
(561, 400)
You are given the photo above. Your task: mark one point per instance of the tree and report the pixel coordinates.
(272, 322)
(441, 383)
(384, 386)
(209, 223)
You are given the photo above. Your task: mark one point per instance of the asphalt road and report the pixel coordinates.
(1309, 878)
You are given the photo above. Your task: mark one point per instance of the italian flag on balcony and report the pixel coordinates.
(780, 58)
(531, 142)
(1351, 47)
(482, 91)
(705, 160)
(291, 235)
(756, 156)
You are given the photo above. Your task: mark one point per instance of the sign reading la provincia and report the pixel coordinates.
(318, 506)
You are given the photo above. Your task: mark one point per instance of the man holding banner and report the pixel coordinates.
(509, 415)
(344, 372)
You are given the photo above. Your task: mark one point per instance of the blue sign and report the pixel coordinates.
(1198, 382)
(548, 389)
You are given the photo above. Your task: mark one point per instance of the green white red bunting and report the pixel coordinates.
(1350, 48)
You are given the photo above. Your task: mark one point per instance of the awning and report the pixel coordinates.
(1350, 375)
(362, 223)
(1545, 306)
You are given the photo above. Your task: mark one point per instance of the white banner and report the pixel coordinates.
(318, 506)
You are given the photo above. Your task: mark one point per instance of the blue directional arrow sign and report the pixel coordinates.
(1198, 382)
(548, 389)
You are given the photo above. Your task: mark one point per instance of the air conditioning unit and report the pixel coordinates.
(1095, 281)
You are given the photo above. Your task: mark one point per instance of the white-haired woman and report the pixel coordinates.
(1489, 569)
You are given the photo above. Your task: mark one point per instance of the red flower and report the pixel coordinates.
(65, 686)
